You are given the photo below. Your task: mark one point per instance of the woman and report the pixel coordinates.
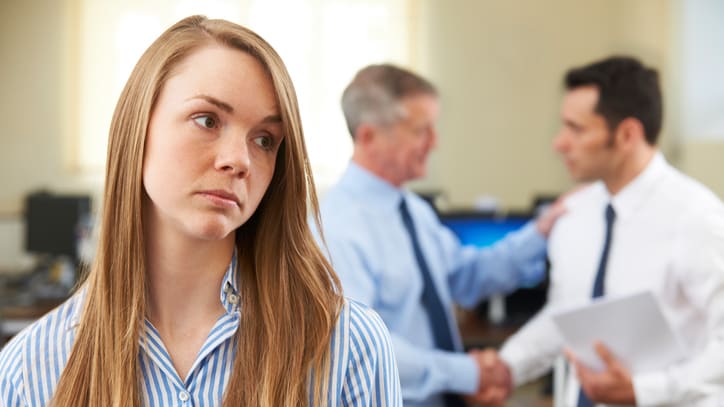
(207, 288)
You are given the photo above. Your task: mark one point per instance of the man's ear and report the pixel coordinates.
(364, 134)
(630, 132)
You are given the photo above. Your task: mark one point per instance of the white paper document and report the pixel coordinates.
(633, 327)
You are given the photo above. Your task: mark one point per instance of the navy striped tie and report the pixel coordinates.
(598, 284)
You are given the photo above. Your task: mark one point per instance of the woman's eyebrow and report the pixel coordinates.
(275, 118)
(214, 101)
(272, 119)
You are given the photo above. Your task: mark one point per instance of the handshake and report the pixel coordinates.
(612, 385)
(496, 382)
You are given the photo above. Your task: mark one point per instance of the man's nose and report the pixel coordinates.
(560, 141)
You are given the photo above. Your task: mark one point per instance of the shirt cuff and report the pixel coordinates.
(653, 389)
(461, 371)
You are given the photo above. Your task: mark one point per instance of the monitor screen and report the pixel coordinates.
(482, 229)
(51, 223)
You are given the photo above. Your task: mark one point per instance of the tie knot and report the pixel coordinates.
(403, 207)
(610, 214)
(406, 218)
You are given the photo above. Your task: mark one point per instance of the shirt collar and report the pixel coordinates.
(375, 191)
(77, 308)
(632, 196)
(229, 291)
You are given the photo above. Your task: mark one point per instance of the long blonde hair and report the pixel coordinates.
(290, 297)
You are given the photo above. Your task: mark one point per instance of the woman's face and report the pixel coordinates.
(211, 146)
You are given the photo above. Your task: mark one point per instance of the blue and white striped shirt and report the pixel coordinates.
(363, 371)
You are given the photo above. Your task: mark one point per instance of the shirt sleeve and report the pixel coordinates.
(372, 378)
(11, 394)
(427, 372)
(699, 267)
(531, 351)
(519, 260)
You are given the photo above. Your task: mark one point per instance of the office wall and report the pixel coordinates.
(702, 159)
(499, 65)
(35, 111)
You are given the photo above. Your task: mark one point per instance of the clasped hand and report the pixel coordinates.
(495, 384)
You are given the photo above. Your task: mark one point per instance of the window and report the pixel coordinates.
(322, 42)
(702, 32)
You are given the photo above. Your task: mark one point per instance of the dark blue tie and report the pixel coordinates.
(598, 284)
(431, 301)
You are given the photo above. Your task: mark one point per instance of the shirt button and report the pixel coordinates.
(234, 299)
(183, 396)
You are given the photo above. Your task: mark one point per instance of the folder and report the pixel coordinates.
(633, 327)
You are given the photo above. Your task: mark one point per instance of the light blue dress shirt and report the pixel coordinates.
(362, 369)
(372, 253)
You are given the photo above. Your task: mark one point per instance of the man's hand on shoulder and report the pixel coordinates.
(548, 217)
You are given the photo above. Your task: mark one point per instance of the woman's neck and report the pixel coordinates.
(185, 278)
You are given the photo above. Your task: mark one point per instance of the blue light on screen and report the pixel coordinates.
(483, 231)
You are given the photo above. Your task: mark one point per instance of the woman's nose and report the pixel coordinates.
(233, 155)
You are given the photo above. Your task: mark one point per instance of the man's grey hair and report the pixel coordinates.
(373, 97)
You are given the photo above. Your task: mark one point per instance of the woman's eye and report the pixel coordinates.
(266, 142)
(206, 121)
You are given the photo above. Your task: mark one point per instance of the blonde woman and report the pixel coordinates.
(207, 288)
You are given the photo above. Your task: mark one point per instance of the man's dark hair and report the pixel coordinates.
(626, 89)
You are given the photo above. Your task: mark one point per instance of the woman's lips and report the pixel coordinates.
(221, 198)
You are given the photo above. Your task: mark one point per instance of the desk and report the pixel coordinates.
(478, 332)
(14, 318)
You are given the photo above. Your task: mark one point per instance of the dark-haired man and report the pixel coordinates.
(392, 253)
(640, 225)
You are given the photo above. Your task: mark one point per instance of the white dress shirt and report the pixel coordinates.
(668, 238)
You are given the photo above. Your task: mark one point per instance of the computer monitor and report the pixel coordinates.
(52, 221)
(484, 229)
